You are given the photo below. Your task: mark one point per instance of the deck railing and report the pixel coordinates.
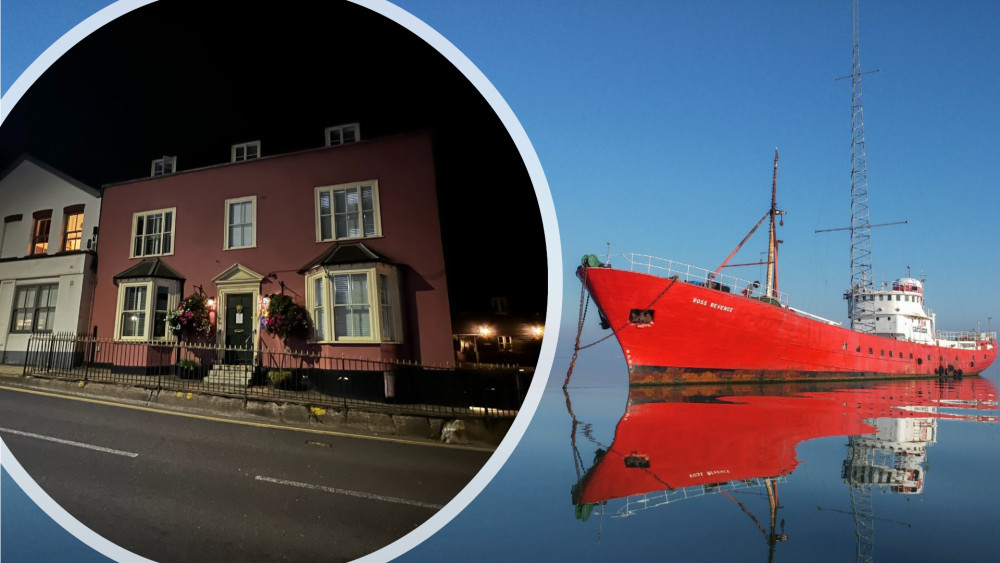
(324, 380)
(965, 335)
(692, 274)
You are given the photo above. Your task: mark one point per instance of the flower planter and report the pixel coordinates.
(287, 380)
(188, 370)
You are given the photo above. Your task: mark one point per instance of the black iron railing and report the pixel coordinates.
(286, 376)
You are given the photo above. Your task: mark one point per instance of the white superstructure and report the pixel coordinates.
(899, 313)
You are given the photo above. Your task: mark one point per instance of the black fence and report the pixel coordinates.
(306, 378)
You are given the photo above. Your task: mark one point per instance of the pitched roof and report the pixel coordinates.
(25, 157)
(346, 253)
(150, 269)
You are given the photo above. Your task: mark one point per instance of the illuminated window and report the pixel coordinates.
(355, 305)
(40, 232)
(72, 228)
(143, 308)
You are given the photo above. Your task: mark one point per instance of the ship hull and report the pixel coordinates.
(673, 331)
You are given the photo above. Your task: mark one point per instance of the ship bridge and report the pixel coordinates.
(899, 311)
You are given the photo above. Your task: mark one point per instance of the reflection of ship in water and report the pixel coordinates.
(676, 443)
(894, 459)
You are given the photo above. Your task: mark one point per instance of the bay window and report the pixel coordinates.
(143, 306)
(353, 303)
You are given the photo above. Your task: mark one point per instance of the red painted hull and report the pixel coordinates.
(696, 334)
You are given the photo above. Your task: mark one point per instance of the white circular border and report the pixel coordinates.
(552, 245)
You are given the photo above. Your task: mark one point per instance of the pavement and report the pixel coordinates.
(468, 432)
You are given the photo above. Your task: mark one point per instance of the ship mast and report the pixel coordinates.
(771, 290)
(860, 307)
(772, 241)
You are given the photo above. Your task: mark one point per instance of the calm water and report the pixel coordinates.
(901, 471)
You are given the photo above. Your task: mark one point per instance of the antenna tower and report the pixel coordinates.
(861, 309)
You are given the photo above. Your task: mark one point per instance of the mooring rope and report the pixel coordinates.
(584, 303)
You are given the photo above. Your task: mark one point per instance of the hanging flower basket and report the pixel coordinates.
(190, 319)
(285, 318)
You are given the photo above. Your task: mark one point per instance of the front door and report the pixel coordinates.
(239, 328)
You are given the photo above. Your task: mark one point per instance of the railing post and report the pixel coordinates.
(159, 370)
(247, 366)
(27, 354)
(86, 364)
(48, 357)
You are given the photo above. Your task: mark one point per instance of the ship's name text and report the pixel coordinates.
(712, 305)
(708, 473)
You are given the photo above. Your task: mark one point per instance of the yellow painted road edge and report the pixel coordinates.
(248, 422)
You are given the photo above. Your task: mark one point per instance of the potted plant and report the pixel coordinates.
(188, 369)
(190, 319)
(287, 379)
(285, 318)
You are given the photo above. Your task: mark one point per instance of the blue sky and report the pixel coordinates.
(656, 123)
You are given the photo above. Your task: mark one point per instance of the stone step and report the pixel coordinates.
(225, 374)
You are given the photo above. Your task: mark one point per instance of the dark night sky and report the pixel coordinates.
(182, 78)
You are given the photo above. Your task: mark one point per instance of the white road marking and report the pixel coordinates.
(347, 492)
(69, 442)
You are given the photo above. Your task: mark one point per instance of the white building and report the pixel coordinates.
(48, 242)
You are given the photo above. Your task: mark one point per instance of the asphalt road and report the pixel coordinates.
(180, 488)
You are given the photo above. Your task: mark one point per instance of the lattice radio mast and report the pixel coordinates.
(860, 308)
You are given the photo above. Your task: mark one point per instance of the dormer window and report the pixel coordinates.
(343, 134)
(245, 151)
(499, 305)
(163, 166)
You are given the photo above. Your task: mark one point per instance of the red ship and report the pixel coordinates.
(683, 324)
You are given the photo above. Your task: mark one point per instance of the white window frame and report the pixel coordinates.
(163, 166)
(148, 308)
(41, 233)
(31, 310)
(227, 243)
(163, 220)
(378, 310)
(331, 190)
(235, 157)
(72, 238)
(339, 131)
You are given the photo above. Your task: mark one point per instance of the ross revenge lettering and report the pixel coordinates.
(705, 303)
